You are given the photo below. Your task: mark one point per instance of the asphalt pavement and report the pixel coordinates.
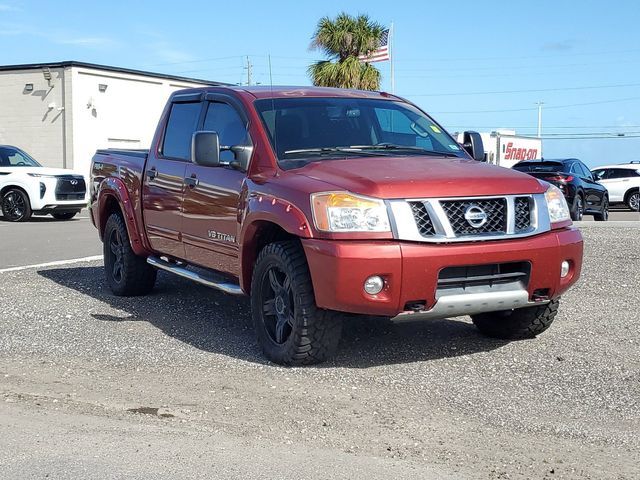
(173, 386)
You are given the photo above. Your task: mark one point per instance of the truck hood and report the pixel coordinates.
(40, 171)
(419, 177)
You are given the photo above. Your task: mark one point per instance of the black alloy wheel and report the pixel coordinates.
(603, 216)
(277, 304)
(578, 209)
(116, 247)
(15, 206)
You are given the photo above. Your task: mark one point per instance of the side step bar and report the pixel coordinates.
(181, 271)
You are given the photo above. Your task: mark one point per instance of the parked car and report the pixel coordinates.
(318, 201)
(623, 183)
(584, 195)
(27, 188)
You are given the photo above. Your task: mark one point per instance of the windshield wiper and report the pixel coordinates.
(328, 150)
(393, 146)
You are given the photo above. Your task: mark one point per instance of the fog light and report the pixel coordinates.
(374, 285)
(564, 268)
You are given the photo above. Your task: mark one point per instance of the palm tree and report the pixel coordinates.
(343, 40)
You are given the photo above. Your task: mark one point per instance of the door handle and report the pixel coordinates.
(191, 182)
(152, 173)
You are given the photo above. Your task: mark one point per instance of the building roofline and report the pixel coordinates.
(73, 63)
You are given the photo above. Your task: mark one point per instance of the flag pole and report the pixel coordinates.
(392, 54)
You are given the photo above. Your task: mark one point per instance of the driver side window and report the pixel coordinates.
(225, 120)
(16, 158)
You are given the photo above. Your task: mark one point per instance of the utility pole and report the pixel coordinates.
(539, 118)
(249, 67)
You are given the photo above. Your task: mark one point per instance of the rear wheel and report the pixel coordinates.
(64, 216)
(633, 201)
(603, 216)
(290, 328)
(517, 324)
(127, 274)
(577, 209)
(16, 206)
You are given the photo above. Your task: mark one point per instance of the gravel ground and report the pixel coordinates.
(172, 385)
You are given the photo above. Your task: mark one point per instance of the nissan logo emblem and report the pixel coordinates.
(475, 216)
(73, 182)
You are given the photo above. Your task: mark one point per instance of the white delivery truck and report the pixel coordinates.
(505, 148)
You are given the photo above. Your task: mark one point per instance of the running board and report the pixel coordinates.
(181, 271)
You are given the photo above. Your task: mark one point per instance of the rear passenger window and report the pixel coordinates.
(225, 120)
(183, 122)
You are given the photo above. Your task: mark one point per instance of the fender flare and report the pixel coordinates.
(261, 209)
(115, 188)
(19, 183)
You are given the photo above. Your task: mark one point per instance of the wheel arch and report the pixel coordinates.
(16, 186)
(258, 235)
(630, 192)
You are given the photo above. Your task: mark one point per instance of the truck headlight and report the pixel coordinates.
(557, 205)
(346, 212)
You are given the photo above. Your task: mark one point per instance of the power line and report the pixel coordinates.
(535, 108)
(532, 90)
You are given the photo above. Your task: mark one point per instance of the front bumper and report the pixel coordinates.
(51, 194)
(411, 269)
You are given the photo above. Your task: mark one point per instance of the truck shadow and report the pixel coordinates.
(215, 322)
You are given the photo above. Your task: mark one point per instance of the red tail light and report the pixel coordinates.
(560, 178)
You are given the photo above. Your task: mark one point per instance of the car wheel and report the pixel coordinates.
(577, 210)
(633, 201)
(290, 328)
(604, 215)
(16, 206)
(517, 324)
(127, 274)
(64, 216)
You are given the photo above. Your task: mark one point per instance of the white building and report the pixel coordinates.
(60, 113)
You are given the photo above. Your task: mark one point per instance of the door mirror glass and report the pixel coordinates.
(205, 149)
(472, 143)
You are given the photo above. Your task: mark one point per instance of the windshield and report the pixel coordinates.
(13, 157)
(311, 129)
(539, 167)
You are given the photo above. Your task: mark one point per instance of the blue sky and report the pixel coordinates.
(471, 64)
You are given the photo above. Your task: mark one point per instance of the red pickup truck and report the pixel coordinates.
(318, 201)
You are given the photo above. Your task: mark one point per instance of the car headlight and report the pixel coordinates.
(346, 212)
(557, 205)
(39, 175)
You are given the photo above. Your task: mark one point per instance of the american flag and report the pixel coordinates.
(381, 54)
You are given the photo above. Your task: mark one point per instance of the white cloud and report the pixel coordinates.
(4, 7)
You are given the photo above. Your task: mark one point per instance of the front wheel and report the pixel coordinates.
(290, 328)
(633, 202)
(127, 274)
(16, 206)
(517, 324)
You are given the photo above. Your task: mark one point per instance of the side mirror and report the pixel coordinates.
(205, 149)
(472, 143)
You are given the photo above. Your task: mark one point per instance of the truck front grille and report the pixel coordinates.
(70, 187)
(469, 219)
(495, 210)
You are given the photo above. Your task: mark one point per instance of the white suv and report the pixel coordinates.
(622, 182)
(28, 188)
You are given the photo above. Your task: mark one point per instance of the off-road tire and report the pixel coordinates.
(577, 209)
(64, 216)
(517, 324)
(16, 206)
(134, 276)
(604, 216)
(314, 333)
